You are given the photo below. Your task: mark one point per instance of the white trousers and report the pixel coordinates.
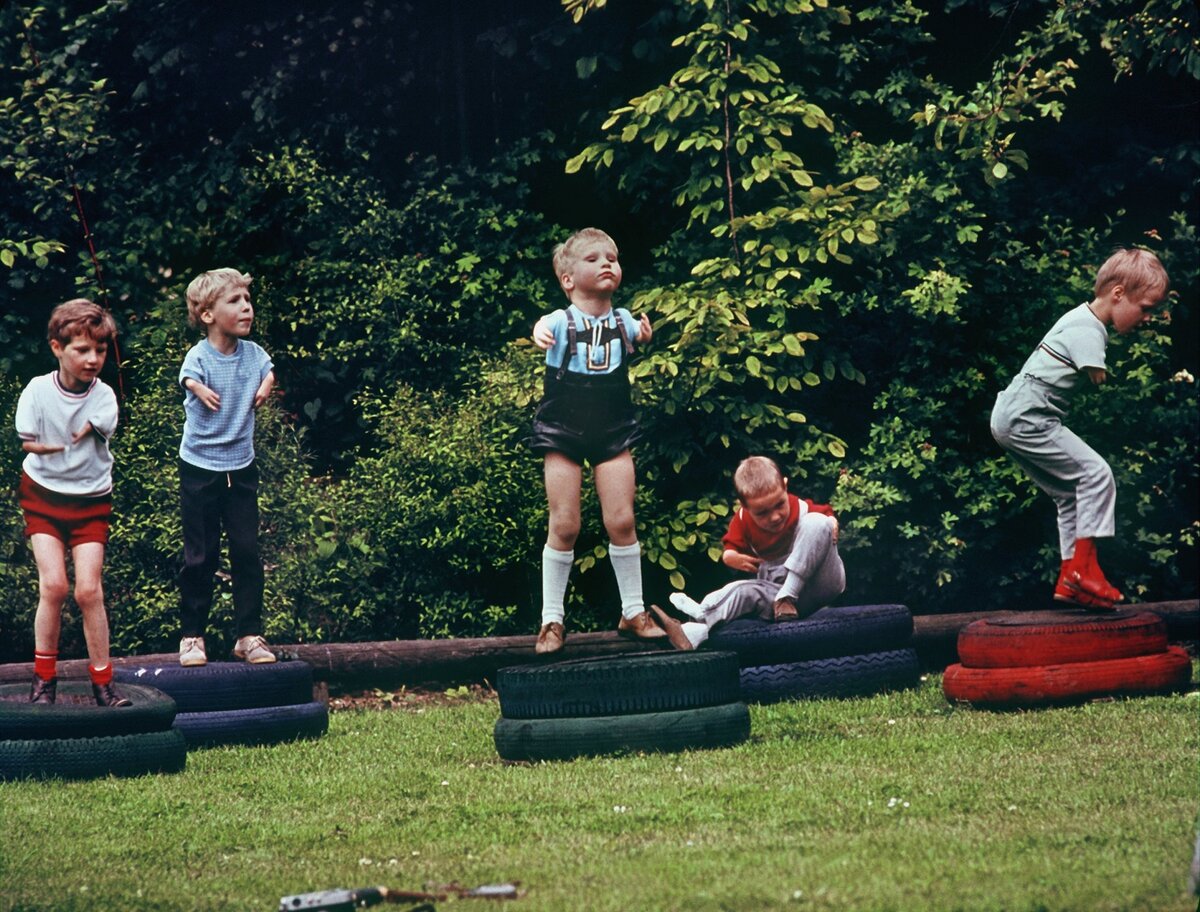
(813, 559)
(1028, 424)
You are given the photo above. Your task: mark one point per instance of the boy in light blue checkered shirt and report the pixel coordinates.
(225, 377)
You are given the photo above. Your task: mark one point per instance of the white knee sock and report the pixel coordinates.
(627, 565)
(556, 570)
(791, 588)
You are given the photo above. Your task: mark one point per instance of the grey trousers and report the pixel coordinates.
(1028, 424)
(815, 562)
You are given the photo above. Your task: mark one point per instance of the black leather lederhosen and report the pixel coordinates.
(586, 416)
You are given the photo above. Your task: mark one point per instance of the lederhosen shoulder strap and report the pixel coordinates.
(573, 341)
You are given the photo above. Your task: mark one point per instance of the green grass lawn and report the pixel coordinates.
(899, 802)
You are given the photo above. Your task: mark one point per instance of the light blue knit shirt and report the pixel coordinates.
(222, 441)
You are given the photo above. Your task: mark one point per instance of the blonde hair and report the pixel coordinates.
(203, 291)
(755, 476)
(1134, 268)
(566, 253)
(80, 317)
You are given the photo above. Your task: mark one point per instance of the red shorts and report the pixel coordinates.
(71, 519)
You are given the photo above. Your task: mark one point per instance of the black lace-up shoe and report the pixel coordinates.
(43, 691)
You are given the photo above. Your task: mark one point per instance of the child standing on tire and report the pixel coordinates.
(226, 378)
(65, 420)
(1027, 419)
(789, 544)
(586, 416)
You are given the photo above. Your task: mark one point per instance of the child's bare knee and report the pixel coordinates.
(619, 521)
(564, 526)
(88, 595)
(53, 589)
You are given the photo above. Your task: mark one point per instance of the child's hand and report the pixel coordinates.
(644, 331)
(30, 446)
(82, 432)
(1097, 374)
(264, 389)
(745, 562)
(209, 398)
(543, 336)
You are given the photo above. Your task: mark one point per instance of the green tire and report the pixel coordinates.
(76, 714)
(93, 758)
(678, 730)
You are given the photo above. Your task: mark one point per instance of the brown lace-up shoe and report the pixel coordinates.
(106, 695)
(785, 610)
(641, 626)
(550, 638)
(43, 691)
(674, 630)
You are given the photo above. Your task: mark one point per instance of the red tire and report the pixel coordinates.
(1060, 637)
(1047, 685)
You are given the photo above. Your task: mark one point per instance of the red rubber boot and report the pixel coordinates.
(1085, 576)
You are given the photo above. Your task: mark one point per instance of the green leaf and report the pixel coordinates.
(999, 170)
(866, 183)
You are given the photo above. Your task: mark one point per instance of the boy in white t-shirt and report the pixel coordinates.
(65, 420)
(1027, 418)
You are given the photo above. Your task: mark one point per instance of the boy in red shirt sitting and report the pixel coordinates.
(788, 543)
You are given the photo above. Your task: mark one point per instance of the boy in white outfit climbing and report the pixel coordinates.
(1027, 419)
(789, 544)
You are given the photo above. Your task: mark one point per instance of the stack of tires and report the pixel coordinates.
(235, 703)
(1050, 658)
(652, 701)
(846, 651)
(76, 739)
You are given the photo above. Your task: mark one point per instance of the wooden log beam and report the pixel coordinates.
(422, 662)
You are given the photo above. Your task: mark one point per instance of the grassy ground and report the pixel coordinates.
(897, 802)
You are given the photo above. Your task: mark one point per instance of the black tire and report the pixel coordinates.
(92, 758)
(682, 729)
(76, 714)
(841, 676)
(650, 682)
(225, 685)
(844, 630)
(262, 725)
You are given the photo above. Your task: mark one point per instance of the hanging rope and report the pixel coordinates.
(87, 236)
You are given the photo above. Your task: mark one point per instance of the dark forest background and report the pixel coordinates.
(849, 224)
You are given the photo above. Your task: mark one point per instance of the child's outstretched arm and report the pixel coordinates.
(543, 335)
(645, 331)
(209, 398)
(264, 389)
(736, 560)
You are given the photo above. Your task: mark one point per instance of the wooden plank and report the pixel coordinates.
(423, 662)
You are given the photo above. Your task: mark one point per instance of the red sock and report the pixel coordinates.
(100, 676)
(45, 665)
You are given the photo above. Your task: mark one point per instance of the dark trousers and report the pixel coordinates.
(208, 501)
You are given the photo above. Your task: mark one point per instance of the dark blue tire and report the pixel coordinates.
(258, 726)
(841, 676)
(616, 685)
(76, 714)
(844, 630)
(225, 685)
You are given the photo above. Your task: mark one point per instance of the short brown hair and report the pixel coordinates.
(80, 317)
(1135, 268)
(757, 475)
(202, 291)
(565, 253)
